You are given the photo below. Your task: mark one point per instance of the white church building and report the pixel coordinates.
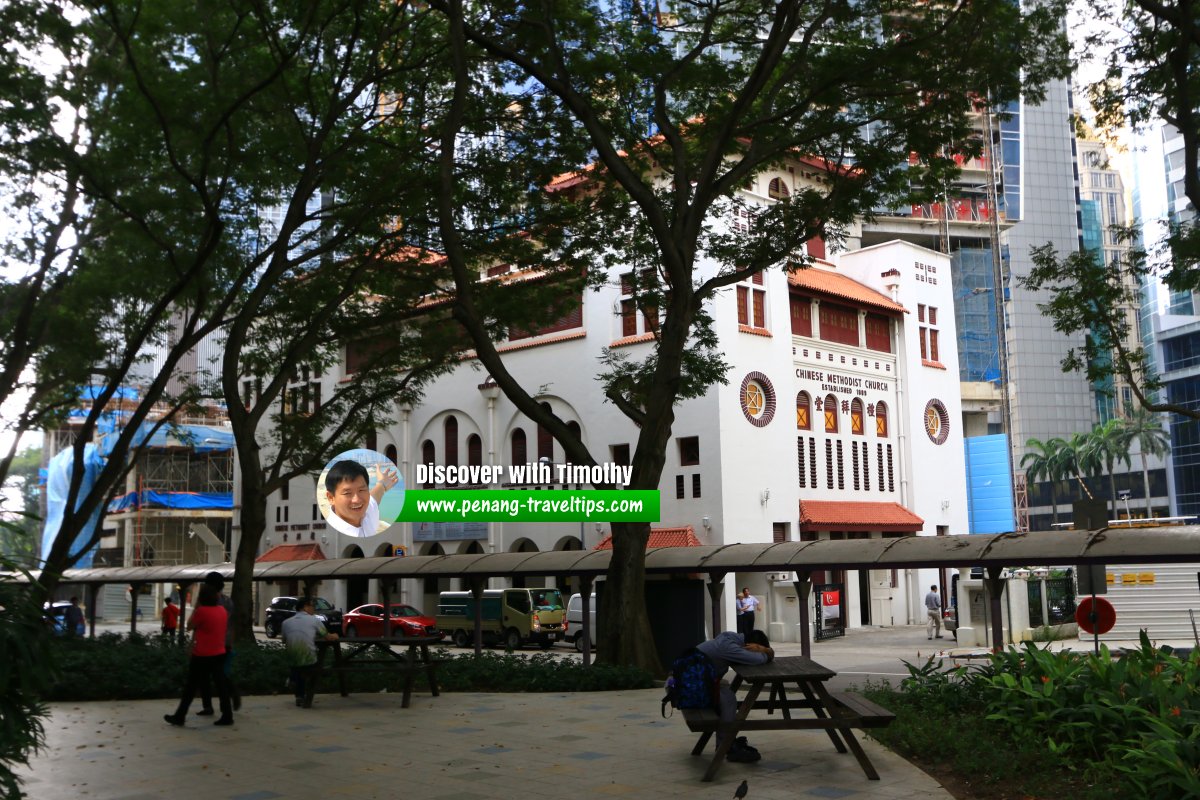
(840, 418)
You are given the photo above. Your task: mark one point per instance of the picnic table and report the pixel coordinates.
(836, 714)
(375, 654)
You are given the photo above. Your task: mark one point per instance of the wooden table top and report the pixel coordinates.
(787, 668)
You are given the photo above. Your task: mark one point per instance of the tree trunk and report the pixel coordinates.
(1146, 485)
(254, 524)
(624, 632)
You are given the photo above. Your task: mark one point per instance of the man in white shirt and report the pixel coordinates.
(300, 634)
(933, 608)
(747, 604)
(354, 506)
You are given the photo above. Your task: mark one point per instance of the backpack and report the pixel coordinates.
(692, 682)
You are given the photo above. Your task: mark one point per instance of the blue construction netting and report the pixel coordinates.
(153, 499)
(197, 438)
(58, 483)
(989, 485)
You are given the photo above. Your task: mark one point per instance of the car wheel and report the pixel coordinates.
(579, 643)
(512, 640)
(269, 628)
(461, 639)
(352, 631)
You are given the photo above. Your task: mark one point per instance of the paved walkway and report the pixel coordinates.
(455, 747)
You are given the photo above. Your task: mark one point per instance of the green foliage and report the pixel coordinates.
(1130, 720)
(26, 667)
(121, 667)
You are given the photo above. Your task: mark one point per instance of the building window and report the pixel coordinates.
(429, 458)
(866, 467)
(696, 485)
(879, 333)
(839, 324)
(474, 451)
(390, 453)
(812, 460)
(801, 314)
(679, 493)
(829, 463)
(689, 451)
(928, 333)
(777, 189)
(633, 296)
(803, 412)
(879, 462)
(891, 483)
(569, 311)
(450, 429)
(856, 417)
(779, 532)
(520, 451)
(881, 420)
(800, 462)
(841, 469)
(752, 302)
(620, 454)
(831, 419)
(854, 463)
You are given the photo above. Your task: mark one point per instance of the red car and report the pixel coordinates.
(406, 621)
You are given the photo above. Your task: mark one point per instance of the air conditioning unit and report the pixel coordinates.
(779, 577)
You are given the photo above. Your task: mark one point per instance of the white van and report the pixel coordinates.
(575, 621)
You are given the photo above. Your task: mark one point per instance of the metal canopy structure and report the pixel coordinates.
(1175, 544)
(1106, 546)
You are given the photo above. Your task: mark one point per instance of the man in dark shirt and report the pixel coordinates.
(734, 648)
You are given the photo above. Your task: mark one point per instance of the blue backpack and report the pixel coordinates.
(692, 682)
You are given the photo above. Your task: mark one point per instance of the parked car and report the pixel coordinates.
(55, 616)
(282, 608)
(406, 621)
(950, 620)
(575, 621)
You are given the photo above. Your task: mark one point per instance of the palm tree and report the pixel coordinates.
(1044, 461)
(1145, 429)
(1108, 446)
(1077, 458)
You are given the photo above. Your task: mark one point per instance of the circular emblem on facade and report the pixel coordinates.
(758, 399)
(937, 421)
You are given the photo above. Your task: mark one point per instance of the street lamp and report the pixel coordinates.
(1124, 495)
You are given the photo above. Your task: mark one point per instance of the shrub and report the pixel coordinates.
(25, 669)
(122, 667)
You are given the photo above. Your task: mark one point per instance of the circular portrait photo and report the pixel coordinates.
(360, 492)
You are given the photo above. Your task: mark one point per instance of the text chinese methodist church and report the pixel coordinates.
(840, 419)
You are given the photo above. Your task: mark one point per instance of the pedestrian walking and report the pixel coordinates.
(933, 609)
(208, 624)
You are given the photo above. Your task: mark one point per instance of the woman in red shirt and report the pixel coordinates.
(207, 623)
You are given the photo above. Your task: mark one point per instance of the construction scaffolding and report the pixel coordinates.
(179, 496)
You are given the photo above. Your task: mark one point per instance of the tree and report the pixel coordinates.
(19, 527)
(666, 114)
(1043, 461)
(1108, 446)
(1078, 459)
(1145, 430)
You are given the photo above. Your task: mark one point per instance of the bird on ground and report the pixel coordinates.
(742, 790)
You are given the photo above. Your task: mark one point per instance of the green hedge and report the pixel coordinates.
(133, 667)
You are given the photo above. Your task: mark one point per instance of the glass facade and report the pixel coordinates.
(1185, 445)
(975, 314)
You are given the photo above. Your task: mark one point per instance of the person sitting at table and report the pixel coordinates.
(300, 634)
(735, 648)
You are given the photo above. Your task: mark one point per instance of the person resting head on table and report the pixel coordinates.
(735, 648)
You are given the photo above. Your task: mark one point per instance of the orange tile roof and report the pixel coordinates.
(834, 284)
(856, 515)
(293, 552)
(661, 537)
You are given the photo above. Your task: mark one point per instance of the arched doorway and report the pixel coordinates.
(356, 587)
(525, 581)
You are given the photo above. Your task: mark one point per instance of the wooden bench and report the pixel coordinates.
(867, 714)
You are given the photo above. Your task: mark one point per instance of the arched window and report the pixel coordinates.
(428, 457)
(831, 411)
(803, 412)
(856, 417)
(451, 431)
(474, 451)
(390, 452)
(520, 453)
(881, 419)
(777, 189)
